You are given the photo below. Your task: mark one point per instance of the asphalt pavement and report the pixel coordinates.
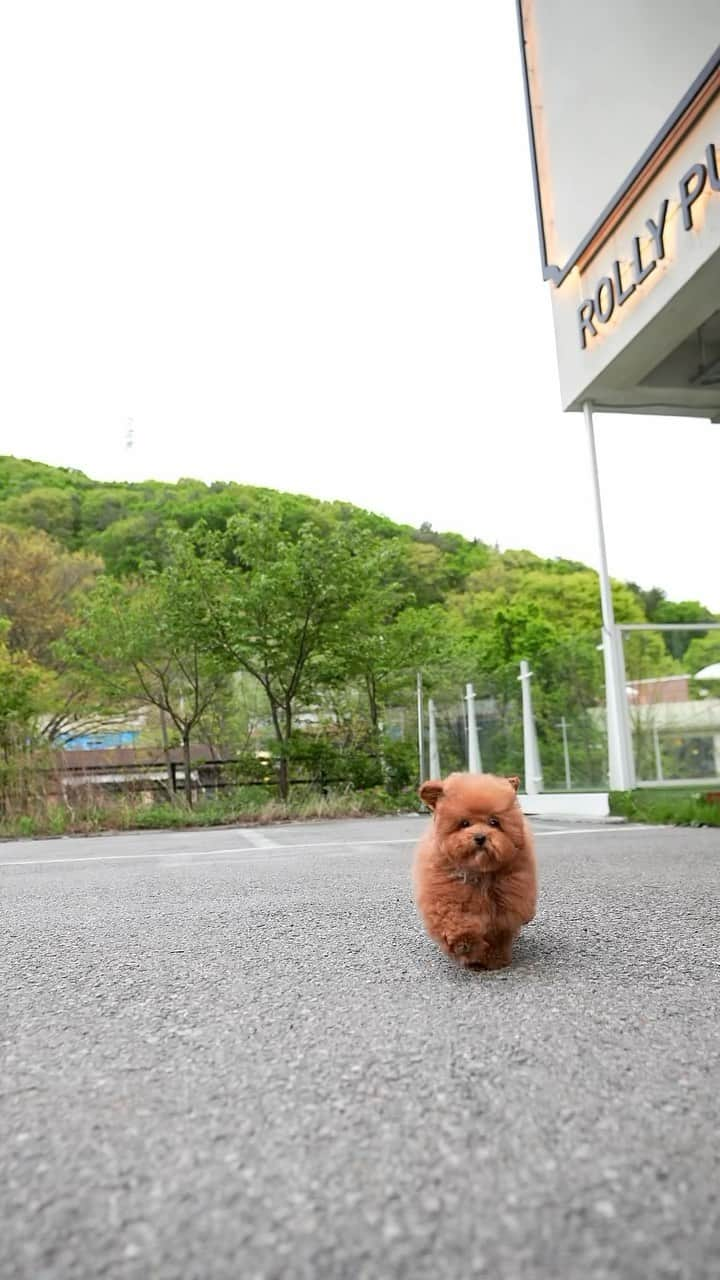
(235, 1054)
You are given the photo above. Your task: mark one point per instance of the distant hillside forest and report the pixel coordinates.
(249, 620)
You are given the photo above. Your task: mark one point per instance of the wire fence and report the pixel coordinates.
(673, 699)
(673, 693)
(566, 693)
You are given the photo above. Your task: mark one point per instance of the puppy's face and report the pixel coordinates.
(478, 823)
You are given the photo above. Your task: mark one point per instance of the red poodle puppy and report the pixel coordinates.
(475, 872)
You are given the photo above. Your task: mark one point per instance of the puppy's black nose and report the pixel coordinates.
(479, 840)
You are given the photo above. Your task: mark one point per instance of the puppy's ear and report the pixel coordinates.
(514, 782)
(431, 792)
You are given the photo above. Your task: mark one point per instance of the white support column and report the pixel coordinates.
(433, 742)
(620, 756)
(421, 750)
(532, 766)
(474, 762)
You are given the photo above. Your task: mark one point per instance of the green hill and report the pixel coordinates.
(125, 524)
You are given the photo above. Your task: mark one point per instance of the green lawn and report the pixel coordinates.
(676, 806)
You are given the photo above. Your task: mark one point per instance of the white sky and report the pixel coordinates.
(294, 241)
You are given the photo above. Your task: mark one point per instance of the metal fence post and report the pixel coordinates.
(533, 769)
(433, 742)
(474, 761)
(421, 751)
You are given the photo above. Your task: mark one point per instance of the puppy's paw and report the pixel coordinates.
(498, 954)
(495, 961)
(461, 947)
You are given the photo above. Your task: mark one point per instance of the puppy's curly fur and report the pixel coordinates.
(475, 873)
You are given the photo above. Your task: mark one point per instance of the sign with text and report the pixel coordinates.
(626, 275)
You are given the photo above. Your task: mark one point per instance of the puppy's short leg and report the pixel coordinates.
(498, 951)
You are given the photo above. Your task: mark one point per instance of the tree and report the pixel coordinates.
(137, 644)
(21, 684)
(41, 586)
(131, 545)
(677, 642)
(282, 607)
(426, 572)
(390, 645)
(41, 589)
(22, 692)
(650, 600)
(702, 651)
(567, 597)
(52, 509)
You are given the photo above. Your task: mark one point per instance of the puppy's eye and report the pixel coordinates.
(463, 823)
(493, 822)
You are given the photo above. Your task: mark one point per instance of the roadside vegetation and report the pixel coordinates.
(671, 806)
(282, 636)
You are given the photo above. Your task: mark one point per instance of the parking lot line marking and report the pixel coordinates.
(256, 839)
(290, 848)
